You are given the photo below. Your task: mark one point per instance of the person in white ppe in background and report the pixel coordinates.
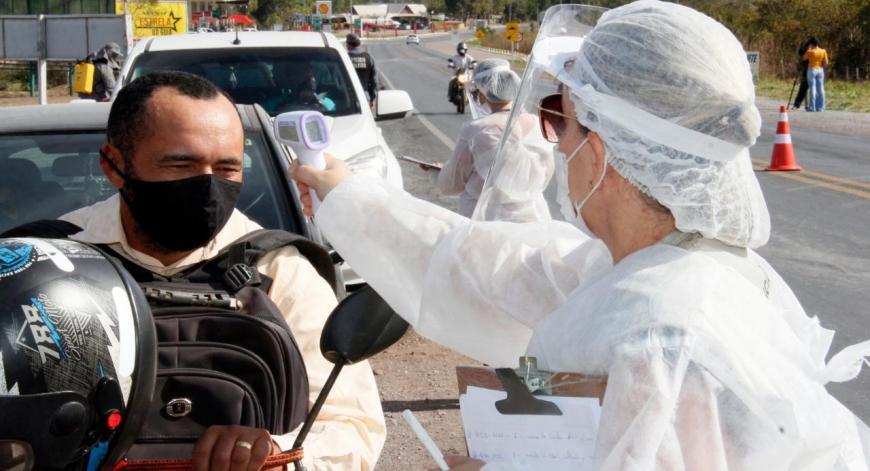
(493, 88)
(712, 363)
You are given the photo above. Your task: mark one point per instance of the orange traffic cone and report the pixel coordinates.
(782, 157)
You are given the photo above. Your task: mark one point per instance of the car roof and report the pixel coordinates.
(81, 116)
(260, 39)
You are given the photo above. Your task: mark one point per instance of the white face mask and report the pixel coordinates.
(563, 193)
(571, 211)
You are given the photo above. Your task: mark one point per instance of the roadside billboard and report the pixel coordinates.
(159, 18)
(60, 37)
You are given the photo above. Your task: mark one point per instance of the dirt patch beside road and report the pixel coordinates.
(419, 375)
(55, 95)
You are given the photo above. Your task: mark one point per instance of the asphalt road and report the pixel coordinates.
(820, 240)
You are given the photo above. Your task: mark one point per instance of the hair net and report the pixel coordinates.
(669, 91)
(495, 79)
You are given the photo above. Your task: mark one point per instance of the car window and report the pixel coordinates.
(43, 176)
(279, 79)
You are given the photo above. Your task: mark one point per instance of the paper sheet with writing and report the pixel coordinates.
(552, 442)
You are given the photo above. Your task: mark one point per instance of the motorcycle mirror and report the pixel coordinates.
(358, 328)
(361, 326)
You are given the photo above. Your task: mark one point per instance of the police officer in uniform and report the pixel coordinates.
(364, 65)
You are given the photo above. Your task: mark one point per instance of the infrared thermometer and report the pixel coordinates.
(307, 133)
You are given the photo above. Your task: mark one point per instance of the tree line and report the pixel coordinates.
(776, 28)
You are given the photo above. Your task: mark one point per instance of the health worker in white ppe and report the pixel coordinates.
(712, 363)
(493, 88)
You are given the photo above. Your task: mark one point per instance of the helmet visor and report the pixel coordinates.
(15, 455)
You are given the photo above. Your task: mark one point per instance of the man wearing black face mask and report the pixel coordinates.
(175, 152)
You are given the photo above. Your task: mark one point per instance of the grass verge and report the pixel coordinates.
(839, 95)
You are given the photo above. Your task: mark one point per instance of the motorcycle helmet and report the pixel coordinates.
(78, 356)
(461, 48)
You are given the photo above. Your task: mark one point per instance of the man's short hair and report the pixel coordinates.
(128, 118)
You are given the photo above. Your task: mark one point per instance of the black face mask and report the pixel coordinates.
(180, 215)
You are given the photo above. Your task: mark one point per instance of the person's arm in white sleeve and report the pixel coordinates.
(457, 170)
(474, 287)
(349, 432)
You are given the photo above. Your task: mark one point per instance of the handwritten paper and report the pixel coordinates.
(551, 442)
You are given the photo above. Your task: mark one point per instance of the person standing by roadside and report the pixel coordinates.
(107, 66)
(818, 59)
(364, 65)
(802, 74)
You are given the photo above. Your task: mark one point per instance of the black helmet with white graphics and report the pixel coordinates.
(461, 48)
(77, 356)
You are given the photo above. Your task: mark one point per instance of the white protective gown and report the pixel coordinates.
(712, 363)
(476, 148)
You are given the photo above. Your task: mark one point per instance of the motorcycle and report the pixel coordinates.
(458, 86)
(460, 98)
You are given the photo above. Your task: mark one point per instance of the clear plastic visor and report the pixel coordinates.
(520, 186)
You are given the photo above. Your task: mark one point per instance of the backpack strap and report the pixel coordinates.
(58, 229)
(236, 264)
(47, 228)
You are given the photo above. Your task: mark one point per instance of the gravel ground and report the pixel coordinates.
(419, 375)
(837, 122)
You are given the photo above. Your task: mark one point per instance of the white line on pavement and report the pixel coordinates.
(431, 127)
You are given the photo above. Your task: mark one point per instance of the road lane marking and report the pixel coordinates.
(843, 181)
(824, 176)
(428, 124)
(819, 181)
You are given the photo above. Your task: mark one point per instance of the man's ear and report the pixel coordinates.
(108, 151)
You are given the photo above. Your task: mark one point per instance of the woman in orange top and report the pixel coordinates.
(818, 59)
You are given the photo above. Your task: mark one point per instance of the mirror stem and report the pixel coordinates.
(318, 403)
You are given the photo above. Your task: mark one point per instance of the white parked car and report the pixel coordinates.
(412, 39)
(285, 71)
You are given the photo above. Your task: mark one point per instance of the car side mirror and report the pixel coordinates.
(393, 104)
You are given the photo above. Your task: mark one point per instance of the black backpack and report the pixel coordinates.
(225, 354)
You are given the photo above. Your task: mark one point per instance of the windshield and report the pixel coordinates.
(279, 79)
(43, 176)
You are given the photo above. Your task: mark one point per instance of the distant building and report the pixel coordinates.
(393, 13)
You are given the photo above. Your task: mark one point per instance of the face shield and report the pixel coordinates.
(520, 186)
(678, 129)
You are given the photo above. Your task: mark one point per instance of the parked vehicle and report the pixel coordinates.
(285, 71)
(49, 165)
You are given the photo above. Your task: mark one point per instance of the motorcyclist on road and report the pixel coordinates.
(462, 61)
